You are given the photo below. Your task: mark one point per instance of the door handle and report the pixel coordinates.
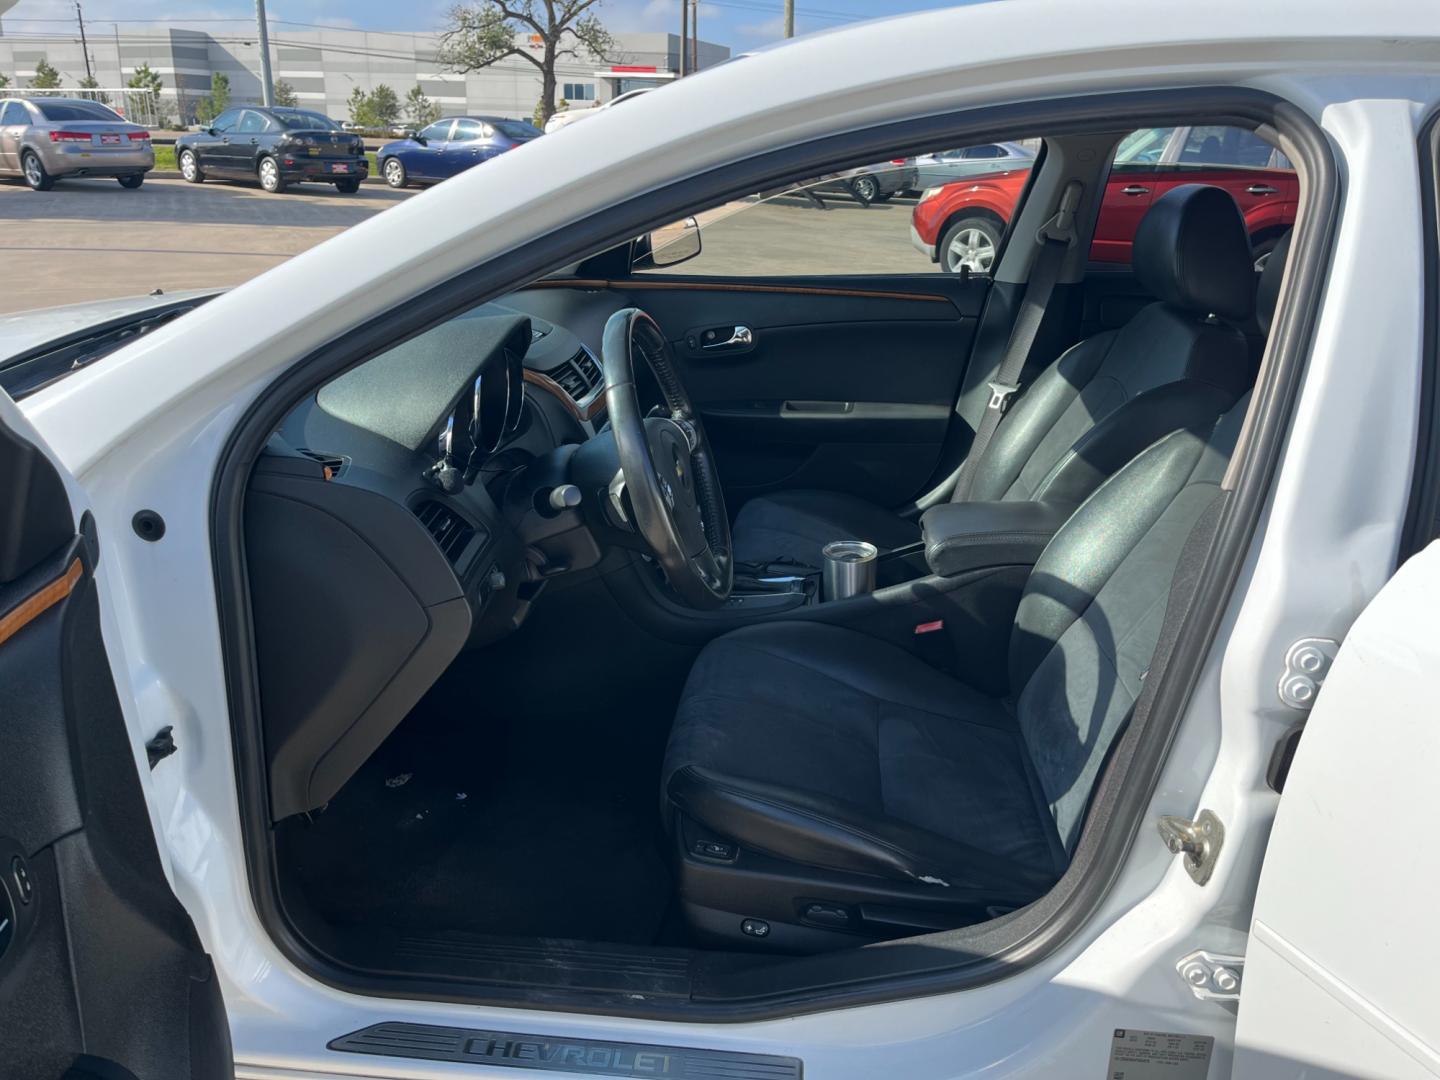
(740, 336)
(1134, 189)
(1261, 189)
(226, 140)
(254, 142)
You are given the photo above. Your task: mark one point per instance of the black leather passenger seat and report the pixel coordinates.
(1180, 362)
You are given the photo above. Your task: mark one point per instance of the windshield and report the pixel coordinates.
(63, 112)
(307, 121)
(516, 129)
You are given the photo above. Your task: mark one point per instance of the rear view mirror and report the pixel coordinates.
(670, 245)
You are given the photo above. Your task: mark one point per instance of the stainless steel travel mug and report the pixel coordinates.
(849, 568)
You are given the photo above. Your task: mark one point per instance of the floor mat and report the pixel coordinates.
(508, 803)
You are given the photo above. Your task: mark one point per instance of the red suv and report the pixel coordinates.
(960, 225)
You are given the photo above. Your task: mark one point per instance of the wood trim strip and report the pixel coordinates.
(39, 602)
(550, 386)
(735, 286)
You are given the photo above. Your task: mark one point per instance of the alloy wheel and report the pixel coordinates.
(970, 248)
(187, 166)
(34, 174)
(394, 173)
(269, 174)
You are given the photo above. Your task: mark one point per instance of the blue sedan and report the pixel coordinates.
(449, 146)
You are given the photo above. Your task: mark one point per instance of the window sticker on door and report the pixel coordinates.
(1157, 1055)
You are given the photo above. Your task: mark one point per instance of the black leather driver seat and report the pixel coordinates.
(1178, 362)
(847, 788)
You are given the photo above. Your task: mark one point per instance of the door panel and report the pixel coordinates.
(844, 383)
(101, 971)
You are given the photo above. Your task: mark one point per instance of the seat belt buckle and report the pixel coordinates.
(1000, 395)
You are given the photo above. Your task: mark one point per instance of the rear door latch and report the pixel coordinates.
(1199, 841)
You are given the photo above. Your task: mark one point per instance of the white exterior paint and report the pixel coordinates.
(144, 429)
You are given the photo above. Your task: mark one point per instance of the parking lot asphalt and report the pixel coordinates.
(91, 239)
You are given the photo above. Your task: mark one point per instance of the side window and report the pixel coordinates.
(437, 132)
(251, 123)
(14, 113)
(1228, 146)
(467, 131)
(945, 211)
(227, 120)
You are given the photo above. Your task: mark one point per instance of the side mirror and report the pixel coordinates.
(415, 136)
(669, 245)
(213, 132)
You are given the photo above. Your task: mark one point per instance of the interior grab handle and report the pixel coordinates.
(740, 336)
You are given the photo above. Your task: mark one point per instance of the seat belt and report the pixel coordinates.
(1055, 237)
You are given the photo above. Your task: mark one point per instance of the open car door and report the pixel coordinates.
(101, 971)
(1344, 943)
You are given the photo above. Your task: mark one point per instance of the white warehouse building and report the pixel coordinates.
(325, 66)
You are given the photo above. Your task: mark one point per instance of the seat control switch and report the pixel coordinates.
(714, 849)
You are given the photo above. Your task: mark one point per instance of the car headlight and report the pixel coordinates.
(929, 193)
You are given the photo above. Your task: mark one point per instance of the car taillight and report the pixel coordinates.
(897, 161)
(71, 136)
(139, 136)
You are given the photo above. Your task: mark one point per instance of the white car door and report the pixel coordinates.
(1344, 944)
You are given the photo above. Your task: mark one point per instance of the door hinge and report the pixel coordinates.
(160, 745)
(1307, 662)
(1212, 976)
(1199, 841)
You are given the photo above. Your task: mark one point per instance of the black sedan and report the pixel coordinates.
(277, 146)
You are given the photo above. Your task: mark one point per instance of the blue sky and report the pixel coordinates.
(741, 24)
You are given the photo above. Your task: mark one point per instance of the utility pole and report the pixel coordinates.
(684, 36)
(267, 84)
(695, 35)
(84, 48)
(789, 18)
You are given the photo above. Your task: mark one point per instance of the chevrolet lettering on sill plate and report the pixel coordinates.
(591, 1057)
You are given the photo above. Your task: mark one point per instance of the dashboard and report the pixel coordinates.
(383, 534)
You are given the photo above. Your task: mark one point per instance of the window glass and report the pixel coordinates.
(62, 112)
(14, 114)
(467, 131)
(227, 120)
(1226, 146)
(305, 120)
(518, 130)
(578, 91)
(945, 211)
(437, 132)
(1143, 148)
(251, 123)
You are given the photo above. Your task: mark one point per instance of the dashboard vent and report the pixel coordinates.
(450, 530)
(579, 376)
(334, 462)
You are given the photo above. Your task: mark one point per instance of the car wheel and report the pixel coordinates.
(270, 178)
(347, 187)
(864, 188)
(34, 171)
(1260, 252)
(131, 182)
(970, 243)
(190, 167)
(394, 173)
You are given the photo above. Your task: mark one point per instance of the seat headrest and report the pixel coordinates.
(1268, 291)
(1192, 250)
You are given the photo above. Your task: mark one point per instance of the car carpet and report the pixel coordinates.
(509, 802)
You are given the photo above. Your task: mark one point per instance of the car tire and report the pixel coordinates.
(864, 189)
(393, 169)
(190, 167)
(1260, 251)
(269, 172)
(33, 169)
(131, 182)
(970, 242)
(348, 187)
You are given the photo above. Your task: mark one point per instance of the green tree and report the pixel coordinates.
(145, 79)
(215, 102)
(384, 106)
(419, 109)
(89, 82)
(285, 95)
(487, 31)
(46, 77)
(4, 81)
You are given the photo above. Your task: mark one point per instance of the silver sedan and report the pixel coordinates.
(44, 139)
(948, 166)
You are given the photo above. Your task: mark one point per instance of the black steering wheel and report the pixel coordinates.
(668, 465)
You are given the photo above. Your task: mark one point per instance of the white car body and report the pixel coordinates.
(566, 117)
(1338, 936)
